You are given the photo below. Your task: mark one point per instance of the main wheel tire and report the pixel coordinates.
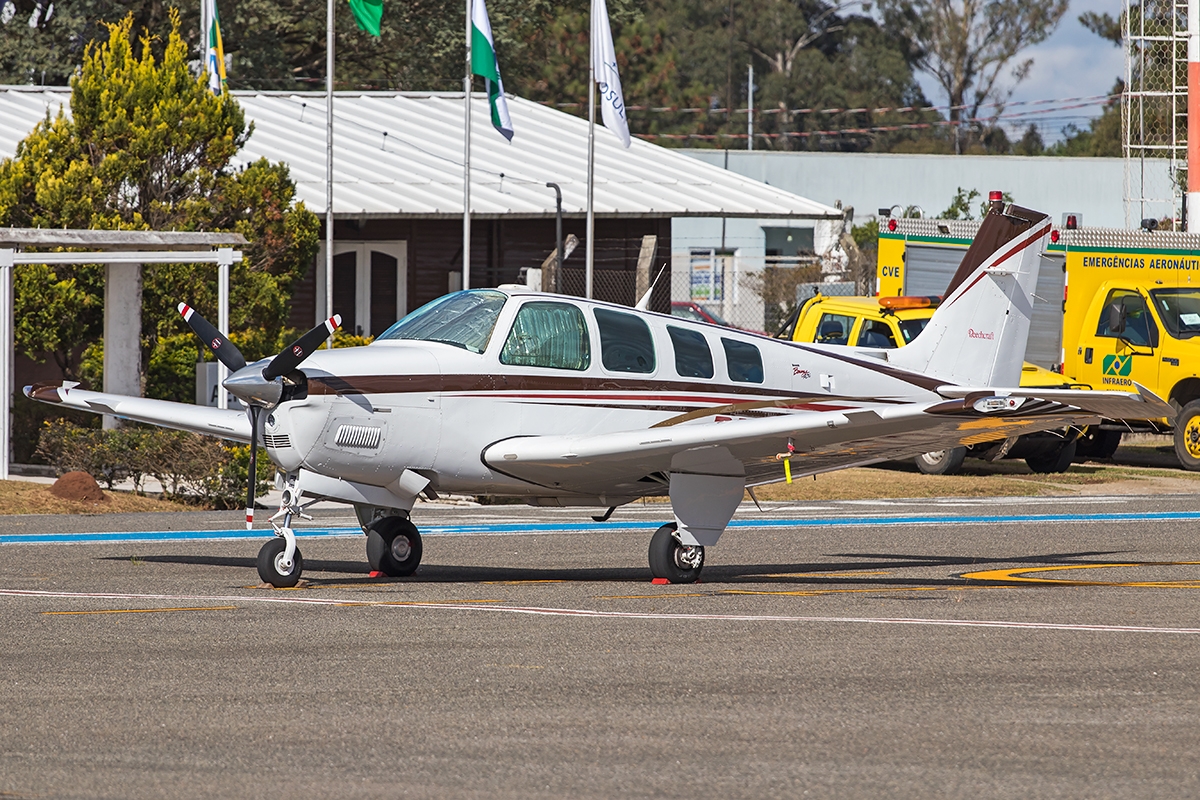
(1097, 443)
(673, 560)
(269, 569)
(393, 546)
(941, 462)
(1187, 436)
(1055, 461)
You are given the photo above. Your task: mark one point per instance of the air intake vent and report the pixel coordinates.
(357, 436)
(276, 442)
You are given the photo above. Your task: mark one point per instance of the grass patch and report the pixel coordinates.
(23, 497)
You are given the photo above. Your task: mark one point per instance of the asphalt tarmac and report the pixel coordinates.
(1002, 648)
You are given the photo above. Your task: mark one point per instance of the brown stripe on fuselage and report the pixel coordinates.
(404, 384)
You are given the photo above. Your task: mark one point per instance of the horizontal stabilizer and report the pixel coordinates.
(1145, 404)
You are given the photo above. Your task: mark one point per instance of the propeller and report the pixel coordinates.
(256, 388)
(225, 350)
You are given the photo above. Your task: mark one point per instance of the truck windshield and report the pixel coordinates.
(463, 319)
(910, 328)
(1179, 310)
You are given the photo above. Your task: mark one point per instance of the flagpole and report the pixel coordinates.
(589, 260)
(466, 261)
(329, 163)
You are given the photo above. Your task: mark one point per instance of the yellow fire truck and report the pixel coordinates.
(1112, 308)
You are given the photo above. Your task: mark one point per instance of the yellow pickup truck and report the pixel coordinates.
(894, 322)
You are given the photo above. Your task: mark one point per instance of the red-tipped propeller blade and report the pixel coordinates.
(299, 350)
(227, 353)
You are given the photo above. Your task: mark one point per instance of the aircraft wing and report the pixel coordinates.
(627, 461)
(223, 423)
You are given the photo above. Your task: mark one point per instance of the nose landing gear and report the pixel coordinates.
(672, 559)
(279, 560)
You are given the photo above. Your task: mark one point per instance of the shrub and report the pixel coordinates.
(191, 468)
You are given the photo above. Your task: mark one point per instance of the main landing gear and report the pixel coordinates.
(393, 546)
(672, 559)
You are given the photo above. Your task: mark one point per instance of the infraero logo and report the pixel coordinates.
(1117, 365)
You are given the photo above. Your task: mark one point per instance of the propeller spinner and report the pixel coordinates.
(257, 388)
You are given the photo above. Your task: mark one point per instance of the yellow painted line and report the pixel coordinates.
(522, 583)
(137, 610)
(1018, 575)
(833, 574)
(816, 592)
(664, 596)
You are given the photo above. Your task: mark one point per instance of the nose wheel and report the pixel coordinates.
(393, 546)
(672, 559)
(278, 567)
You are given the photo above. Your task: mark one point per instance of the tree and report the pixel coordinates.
(147, 147)
(966, 45)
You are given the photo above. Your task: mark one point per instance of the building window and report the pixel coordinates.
(550, 335)
(743, 361)
(693, 359)
(625, 342)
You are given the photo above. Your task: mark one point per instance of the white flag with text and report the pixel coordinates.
(608, 82)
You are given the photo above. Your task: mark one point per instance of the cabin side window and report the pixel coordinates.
(693, 359)
(743, 361)
(550, 335)
(625, 342)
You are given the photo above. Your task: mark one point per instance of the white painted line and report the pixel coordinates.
(292, 599)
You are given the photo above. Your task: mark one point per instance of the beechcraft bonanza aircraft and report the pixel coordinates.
(562, 401)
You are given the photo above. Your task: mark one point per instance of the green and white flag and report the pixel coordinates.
(485, 65)
(368, 14)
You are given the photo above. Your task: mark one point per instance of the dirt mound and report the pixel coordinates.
(79, 487)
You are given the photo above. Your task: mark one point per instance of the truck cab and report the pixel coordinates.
(1137, 331)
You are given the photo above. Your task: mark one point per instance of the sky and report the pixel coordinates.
(1072, 62)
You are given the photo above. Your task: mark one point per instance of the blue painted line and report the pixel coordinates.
(517, 528)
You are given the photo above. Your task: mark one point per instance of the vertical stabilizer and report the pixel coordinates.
(978, 334)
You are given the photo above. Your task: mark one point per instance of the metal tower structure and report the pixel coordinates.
(1154, 111)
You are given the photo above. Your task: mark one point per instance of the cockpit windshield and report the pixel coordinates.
(463, 319)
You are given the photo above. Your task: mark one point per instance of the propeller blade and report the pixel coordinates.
(290, 358)
(226, 351)
(254, 412)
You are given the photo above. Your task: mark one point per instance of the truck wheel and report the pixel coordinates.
(1056, 461)
(1187, 436)
(1097, 443)
(941, 462)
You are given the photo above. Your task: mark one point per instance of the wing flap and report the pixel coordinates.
(223, 423)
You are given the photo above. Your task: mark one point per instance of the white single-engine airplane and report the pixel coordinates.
(562, 401)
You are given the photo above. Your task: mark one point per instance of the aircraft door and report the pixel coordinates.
(1120, 343)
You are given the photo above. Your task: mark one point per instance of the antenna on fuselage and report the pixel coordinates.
(644, 303)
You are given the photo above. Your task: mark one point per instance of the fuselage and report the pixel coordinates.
(550, 365)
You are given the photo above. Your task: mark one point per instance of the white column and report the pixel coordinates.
(6, 358)
(224, 262)
(122, 332)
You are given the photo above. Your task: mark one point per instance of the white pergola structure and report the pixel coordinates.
(122, 253)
